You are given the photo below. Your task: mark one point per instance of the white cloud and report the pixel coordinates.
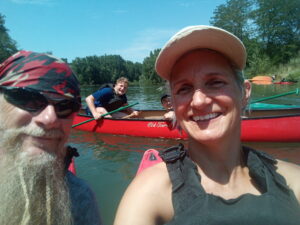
(34, 2)
(145, 41)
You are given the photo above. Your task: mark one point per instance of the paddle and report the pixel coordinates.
(111, 112)
(276, 96)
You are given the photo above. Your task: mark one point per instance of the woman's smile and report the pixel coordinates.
(205, 97)
(206, 117)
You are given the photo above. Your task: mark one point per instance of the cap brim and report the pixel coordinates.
(200, 37)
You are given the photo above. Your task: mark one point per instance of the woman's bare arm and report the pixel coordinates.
(147, 200)
(291, 173)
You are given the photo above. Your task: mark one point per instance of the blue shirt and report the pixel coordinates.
(106, 97)
(85, 210)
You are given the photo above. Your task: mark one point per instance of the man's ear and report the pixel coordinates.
(247, 93)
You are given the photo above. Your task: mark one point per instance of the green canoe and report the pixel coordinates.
(268, 106)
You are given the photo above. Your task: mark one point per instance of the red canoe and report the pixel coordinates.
(283, 82)
(72, 167)
(150, 158)
(274, 128)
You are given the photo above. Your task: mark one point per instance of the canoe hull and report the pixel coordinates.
(261, 129)
(132, 127)
(271, 129)
(283, 82)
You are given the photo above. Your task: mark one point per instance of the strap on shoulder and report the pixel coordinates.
(172, 154)
(106, 85)
(184, 177)
(269, 162)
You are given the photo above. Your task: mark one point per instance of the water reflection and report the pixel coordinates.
(103, 143)
(119, 142)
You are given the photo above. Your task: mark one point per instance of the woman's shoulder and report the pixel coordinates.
(290, 172)
(154, 178)
(287, 169)
(147, 198)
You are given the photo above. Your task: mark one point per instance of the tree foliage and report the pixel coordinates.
(7, 45)
(234, 16)
(97, 70)
(104, 69)
(149, 72)
(278, 26)
(270, 29)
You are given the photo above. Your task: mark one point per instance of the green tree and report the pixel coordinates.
(7, 45)
(96, 70)
(278, 27)
(134, 70)
(149, 72)
(234, 16)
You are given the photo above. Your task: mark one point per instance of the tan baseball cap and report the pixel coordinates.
(200, 37)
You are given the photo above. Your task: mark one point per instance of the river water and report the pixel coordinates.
(108, 162)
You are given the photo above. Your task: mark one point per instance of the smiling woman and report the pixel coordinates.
(206, 94)
(215, 180)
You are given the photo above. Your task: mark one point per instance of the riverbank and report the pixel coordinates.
(285, 72)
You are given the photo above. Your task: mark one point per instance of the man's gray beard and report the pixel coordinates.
(33, 188)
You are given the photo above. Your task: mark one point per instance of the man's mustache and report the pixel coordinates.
(36, 131)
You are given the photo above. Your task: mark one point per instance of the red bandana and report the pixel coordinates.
(39, 71)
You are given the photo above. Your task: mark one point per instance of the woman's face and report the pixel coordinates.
(207, 100)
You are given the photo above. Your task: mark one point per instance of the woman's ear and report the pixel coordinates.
(247, 93)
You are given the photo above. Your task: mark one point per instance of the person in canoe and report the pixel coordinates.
(214, 179)
(39, 97)
(109, 98)
(167, 105)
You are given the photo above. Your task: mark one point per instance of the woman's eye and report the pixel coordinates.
(183, 90)
(217, 83)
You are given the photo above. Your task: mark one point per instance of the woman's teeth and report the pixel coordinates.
(206, 117)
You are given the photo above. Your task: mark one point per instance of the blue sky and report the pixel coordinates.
(80, 28)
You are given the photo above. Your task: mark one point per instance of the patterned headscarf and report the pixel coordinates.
(41, 72)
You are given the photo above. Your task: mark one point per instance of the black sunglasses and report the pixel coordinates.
(33, 101)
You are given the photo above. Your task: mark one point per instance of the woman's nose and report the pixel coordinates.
(200, 99)
(47, 117)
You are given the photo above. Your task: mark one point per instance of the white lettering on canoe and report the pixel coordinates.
(157, 124)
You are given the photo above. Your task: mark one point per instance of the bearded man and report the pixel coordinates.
(39, 96)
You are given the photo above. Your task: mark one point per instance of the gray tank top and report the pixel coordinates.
(277, 205)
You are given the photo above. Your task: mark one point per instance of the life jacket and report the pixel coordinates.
(116, 102)
(193, 205)
(106, 85)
